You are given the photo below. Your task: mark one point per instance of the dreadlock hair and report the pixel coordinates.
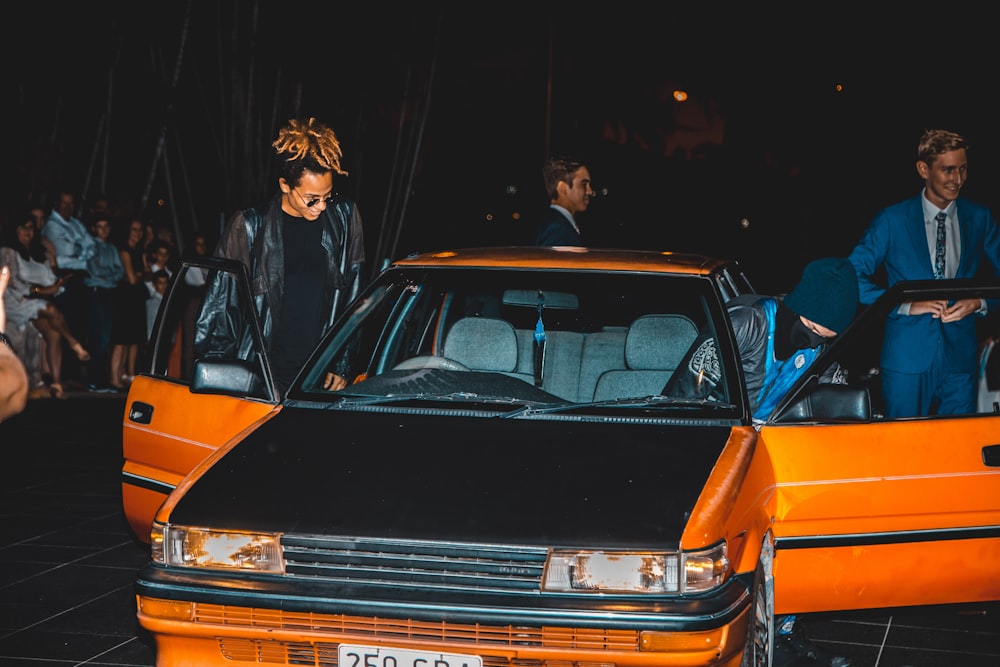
(307, 145)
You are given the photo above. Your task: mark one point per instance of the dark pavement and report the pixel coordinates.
(68, 562)
(68, 558)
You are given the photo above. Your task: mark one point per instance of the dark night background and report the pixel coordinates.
(803, 123)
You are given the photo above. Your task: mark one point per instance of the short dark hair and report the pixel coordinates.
(935, 142)
(559, 168)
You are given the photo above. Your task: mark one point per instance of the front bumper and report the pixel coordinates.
(197, 618)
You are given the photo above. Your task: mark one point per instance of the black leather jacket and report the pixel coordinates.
(255, 237)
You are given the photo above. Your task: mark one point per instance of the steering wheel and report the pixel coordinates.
(429, 361)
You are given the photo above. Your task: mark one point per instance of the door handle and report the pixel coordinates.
(991, 456)
(142, 413)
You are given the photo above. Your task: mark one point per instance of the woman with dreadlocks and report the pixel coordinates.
(304, 250)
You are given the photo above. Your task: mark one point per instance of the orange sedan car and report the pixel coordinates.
(514, 476)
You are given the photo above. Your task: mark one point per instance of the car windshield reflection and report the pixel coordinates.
(547, 340)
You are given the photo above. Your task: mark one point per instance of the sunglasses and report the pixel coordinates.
(313, 201)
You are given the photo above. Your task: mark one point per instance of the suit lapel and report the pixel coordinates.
(965, 223)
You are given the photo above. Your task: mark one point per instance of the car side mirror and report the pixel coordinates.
(226, 376)
(830, 403)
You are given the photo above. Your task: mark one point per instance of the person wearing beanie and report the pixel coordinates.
(929, 361)
(778, 338)
(826, 295)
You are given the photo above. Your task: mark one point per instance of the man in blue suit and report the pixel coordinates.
(929, 355)
(567, 182)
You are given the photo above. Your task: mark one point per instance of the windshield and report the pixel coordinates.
(536, 339)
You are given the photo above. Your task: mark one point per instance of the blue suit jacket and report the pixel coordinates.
(896, 239)
(556, 230)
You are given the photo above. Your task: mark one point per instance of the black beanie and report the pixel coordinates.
(827, 294)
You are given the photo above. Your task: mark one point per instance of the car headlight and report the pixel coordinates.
(602, 571)
(230, 550)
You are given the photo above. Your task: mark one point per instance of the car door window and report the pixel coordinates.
(206, 324)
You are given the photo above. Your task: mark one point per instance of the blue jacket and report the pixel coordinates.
(897, 242)
(767, 378)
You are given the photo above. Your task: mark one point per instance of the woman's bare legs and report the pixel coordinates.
(53, 353)
(55, 317)
(52, 325)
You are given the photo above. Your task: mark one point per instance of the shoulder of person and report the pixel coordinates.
(745, 300)
(902, 207)
(342, 204)
(967, 207)
(747, 309)
(749, 322)
(240, 220)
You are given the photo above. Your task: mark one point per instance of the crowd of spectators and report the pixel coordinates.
(87, 280)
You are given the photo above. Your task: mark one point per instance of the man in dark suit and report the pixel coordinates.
(567, 182)
(929, 355)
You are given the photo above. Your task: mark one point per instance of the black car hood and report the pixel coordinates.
(469, 479)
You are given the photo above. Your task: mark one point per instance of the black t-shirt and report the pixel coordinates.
(300, 323)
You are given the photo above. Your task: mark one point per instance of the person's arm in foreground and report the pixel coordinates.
(13, 377)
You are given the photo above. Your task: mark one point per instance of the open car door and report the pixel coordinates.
(873, 511)
(183, 406)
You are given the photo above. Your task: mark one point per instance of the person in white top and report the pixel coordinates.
(30, 297)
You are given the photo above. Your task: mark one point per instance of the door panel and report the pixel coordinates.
(885, 514)
(167, 429)
(184, 430)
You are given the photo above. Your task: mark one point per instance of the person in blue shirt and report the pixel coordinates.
(74, 246)
(104, 270)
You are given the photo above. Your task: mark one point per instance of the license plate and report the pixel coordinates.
(385, 656)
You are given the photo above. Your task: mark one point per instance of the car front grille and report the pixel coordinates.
(404, 563)
(493, 643)
(400, 563)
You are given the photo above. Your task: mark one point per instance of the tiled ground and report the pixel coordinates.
(67, 559)
(67, 562)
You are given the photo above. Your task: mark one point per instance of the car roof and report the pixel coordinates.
(570, 257)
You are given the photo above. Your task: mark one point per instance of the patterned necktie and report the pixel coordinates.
(939, 246)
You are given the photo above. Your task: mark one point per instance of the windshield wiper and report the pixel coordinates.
(357, 400)
(631, 402)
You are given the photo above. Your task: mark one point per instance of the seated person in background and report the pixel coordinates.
(30, 297)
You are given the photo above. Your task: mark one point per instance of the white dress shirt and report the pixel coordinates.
(953, 239)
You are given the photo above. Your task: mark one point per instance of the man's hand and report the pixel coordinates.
(333, 382)
(941, 310)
